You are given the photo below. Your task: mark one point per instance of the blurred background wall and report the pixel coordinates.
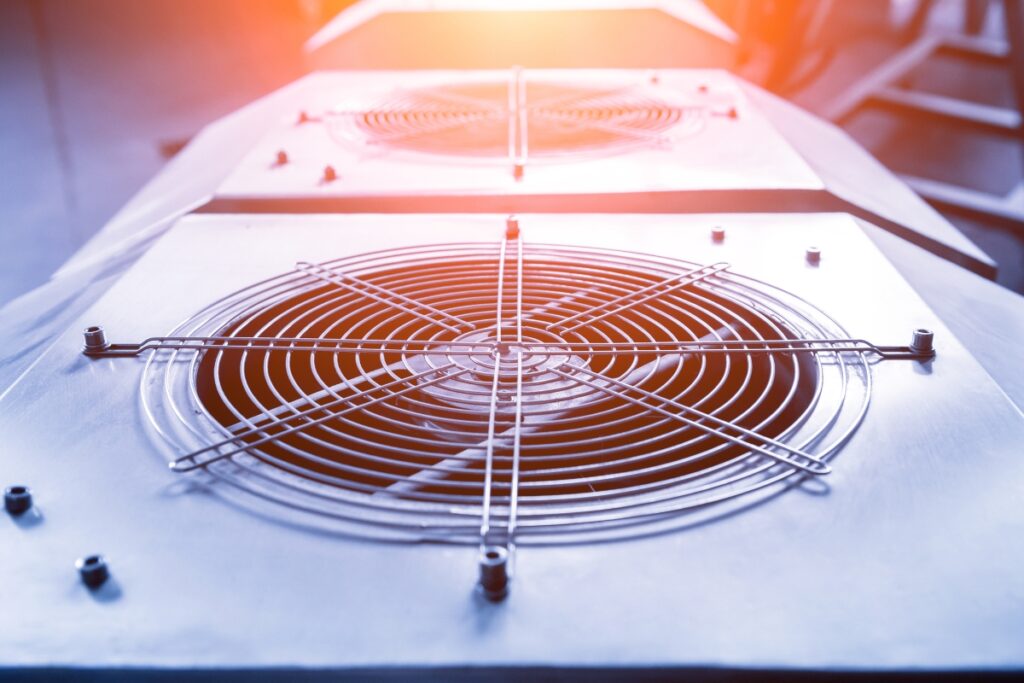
(95, 95)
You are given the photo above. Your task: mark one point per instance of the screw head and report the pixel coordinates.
(733, 113)
(717, 234)
(93, 570)
(813, 255)
(517, 171)
(330, 175)
(304, 117)
(281, 158)
(512, 228)
(17, 499)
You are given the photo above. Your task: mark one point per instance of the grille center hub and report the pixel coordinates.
(541, 351)
(478, 355)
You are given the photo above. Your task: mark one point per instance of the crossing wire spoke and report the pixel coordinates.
(586, 392)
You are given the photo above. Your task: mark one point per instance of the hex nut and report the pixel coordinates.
(93, 570)
(494, 572)
(17, 499)
(95, 339)
(923, 341)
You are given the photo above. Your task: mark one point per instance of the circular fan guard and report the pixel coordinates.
(474, 120)
(599, 446)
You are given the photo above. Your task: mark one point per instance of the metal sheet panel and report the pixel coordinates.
(361, 12)
(496, 34)
(986, 317)
(907, 556)
(718, 152)
(860, 184)
(771, 157)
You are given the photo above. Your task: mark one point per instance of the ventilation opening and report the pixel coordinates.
(579, 441)
(481, 120)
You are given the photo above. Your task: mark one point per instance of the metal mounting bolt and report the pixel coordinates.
(93, 569)
(923, 341)
(512, 228)
(517, 171)
(330, 175)
(717, 234)
(733, 113)
(494, 572)
(813, 255)
(281, 158)
(304, 117)
(17, 499)
(95, 339)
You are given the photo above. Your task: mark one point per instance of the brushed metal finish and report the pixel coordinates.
(907, 556)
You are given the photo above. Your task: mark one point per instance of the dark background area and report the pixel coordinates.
(96, 94)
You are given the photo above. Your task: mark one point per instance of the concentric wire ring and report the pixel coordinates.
(471, 120)
(390, 432)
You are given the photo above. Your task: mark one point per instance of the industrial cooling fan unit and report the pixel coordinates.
(486, 392)
(473, 430)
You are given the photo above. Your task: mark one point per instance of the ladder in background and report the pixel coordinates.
(882, 88)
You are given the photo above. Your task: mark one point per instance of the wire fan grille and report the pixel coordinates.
(407, 424)
(527, 119)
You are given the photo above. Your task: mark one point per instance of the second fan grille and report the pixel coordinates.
(531, 119)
